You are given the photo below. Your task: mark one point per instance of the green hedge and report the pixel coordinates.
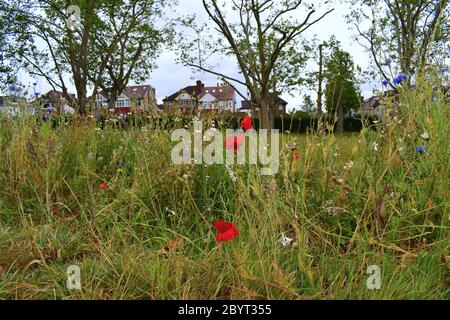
(230, 121)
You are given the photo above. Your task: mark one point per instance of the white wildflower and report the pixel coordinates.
(231, 173)
(348, 165)
(170, 212)
(425, 136)
(285, 241)
(375, 146)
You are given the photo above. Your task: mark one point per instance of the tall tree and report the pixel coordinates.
(402, 32)
(83, 52)
(65, 50)
(315, 80)
(13, 41)
(133, 23)
(341, 92)
(264, 40)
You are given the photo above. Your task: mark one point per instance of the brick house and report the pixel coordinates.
(249, 107)
(57, 101)
(220, 98)
(133, 98)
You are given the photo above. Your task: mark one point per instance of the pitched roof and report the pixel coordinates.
(247, 106)
(132, 92)
(220, 92)
(56, 93)
(137, 92)
(191, 90)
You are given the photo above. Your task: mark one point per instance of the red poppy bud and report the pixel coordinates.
(226, 231)
(104, 186)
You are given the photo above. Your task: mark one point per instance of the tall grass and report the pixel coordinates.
(349, 202)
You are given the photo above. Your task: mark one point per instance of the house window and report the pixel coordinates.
(123, 102)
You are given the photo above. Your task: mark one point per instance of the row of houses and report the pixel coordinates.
(221, 98)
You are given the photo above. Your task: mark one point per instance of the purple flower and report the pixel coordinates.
(385, 83)
(400, 79)
(421, 149)
(122, 163)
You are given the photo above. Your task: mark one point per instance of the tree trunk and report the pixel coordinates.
(82, 100)
(112, 102)
(266, 113)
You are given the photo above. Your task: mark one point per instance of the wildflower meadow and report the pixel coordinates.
(110, 202)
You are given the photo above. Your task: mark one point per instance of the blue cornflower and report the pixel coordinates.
(421, 149)
(385, 83)
(400, 79)
(37, 94)
(13, 87)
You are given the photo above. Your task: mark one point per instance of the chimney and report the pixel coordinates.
(199, 86)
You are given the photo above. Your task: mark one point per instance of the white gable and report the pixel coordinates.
(208, 98)
(184, 96)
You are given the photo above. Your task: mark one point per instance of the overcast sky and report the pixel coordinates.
(169, 77)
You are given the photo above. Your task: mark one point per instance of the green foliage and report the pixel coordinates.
(341, 94)
(13, 41)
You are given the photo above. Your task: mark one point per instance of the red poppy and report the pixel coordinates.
(247, 123)
(234, 143)
(226, 231)
(104, 186)
(296, 155)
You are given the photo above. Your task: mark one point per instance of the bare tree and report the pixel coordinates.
(402, 32)
(262, 35)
